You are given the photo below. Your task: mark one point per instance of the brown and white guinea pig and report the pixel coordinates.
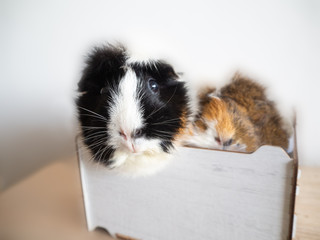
(222, 124)
(239, 118)
(270, 126)
(131, 112)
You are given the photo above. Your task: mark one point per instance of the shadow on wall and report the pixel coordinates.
(31, 147)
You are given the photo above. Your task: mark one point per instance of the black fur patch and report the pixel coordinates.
(162, 111)
(103, 69)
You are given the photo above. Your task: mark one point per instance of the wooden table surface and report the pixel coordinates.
(48, 205)
(308, 205)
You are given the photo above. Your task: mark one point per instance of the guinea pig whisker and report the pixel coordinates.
(90, 127)
(99, 155)
(141, 93)
(88, 150)
(167, 122)
(94, 134)
(172, 119)
(96, 156)
(94, 143)
(94, 130)
(163, 137)
(94, 113)
(102, 152)
(94, 116)
(167, 132)
(163, 134)
(87, 134)
(94, 138)
(164, 124)
(97, 143)
(158, 109)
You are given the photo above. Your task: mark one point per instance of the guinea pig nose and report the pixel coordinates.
(217, 140)
(227, 143)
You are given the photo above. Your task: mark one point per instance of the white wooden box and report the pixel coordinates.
(201, 194)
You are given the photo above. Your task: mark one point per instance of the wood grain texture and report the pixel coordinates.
(308, 204)
(202, 194)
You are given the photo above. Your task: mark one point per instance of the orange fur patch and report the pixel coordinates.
(216, 110)
(183, 130)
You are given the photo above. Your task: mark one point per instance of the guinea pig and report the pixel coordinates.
(222, 124)
(131, 112)
(239, 117)
(271, 127)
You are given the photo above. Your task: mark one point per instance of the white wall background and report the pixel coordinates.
(43, 44)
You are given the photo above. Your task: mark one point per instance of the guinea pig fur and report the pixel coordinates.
(131, 112)
(239, 117)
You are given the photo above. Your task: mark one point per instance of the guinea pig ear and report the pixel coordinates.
(166, 69)
(208, 93)
(103, 64)
(172, 74)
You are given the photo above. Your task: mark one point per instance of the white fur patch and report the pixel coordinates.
(146, 163)
(193, 103)
(203, 139)
(133, 156)
(206, 139)
(142, 59)
(125, 112)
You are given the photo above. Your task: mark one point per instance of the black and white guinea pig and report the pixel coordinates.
(131, 113)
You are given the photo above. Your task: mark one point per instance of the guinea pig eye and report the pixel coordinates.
(153, 85)
(138, 133)
(228, 143)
